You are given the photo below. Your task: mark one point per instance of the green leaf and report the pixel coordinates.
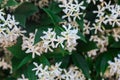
(31, 27)
(8, 3)
(79, 61)
(55, 18)
(85, 47)
(24, 61)
(101, 62)
(80, 23)
(82, 37)
(16, 50)
(10, 78)
(29, 73)
(65, 61)
(1, 2)
(111, 40)
(39, 33)
(11, 3)
(54, 7)
(23, 11)
(15, 63)
(115, 45)
(43, 60)
(45, 20)
(118, 2)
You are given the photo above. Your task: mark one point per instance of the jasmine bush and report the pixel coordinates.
(59, 39)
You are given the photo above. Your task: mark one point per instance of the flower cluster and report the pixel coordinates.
(23, 77)
(72, 9)
(50, 40)
(9, 30)
(102, 42)
(114, 67)
(107, 14)
(54, 72)
(94, 1)
(4, 65)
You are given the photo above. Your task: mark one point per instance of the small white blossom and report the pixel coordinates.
(87, 28)
(72, 9)
(40, 70)
(49, 39)
(28, 45)
(54, 72)
(23, 78)
(102, 42)
(70, 36)
(116, 34)
(97, 28)
(100, 11)
(94, 1)
(114, 67)
(4, 65)
(93, 52)
(9, 30)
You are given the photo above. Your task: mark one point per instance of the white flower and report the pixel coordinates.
(97, 27)
(92, 53)
(100, 11)
(40, 70)
(70, 36)
(72, 9)
(4, 64)
(89, 1)
(108, 5)
(55, 70)
(49, 37)
(94, 1)
(73, 74)
(60, 41)
(9, 30)
(114, 67)
(102, 42)
(28, 45)
(116, 34)
(2, 14)
(87, 28)
(23, 78)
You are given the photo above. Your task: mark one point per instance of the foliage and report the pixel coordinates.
(37, 20)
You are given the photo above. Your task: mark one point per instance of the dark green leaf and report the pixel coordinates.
(23, 11)
(55, 8)
(44, 60)
(29, 73)
(39, 33)
(111, 40)
(80, 23)
(85, 47)
(0, 1)
(115, 45)
(45, 20)
(79, 61)
(16, 50)
(102, 60)
(24, 61)
(55, 19)
(118, 2)
(31, 27)
(82, 37)
(11, 3)
(15, 63)
(65, 61)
